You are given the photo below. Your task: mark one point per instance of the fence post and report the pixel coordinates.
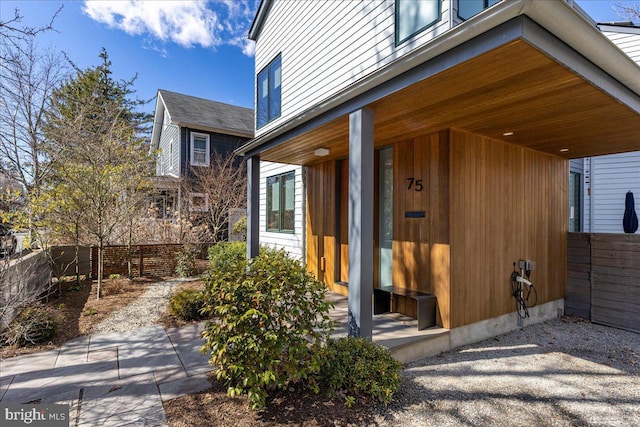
(141, 260)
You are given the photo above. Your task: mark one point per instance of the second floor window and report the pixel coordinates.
(414, 16)
(199, 149)
(269, 93)
(468, 8)
(281, 202)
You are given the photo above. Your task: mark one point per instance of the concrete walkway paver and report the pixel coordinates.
(112, 379)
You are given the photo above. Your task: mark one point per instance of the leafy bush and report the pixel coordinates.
(240, 227)
(34, 325)
(186, 261)
(359, 368)
(271, 321)
(227, 258)
(187, 305)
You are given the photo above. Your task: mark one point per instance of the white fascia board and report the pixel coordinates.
(560, 18)
(157, 123)
(622, 29)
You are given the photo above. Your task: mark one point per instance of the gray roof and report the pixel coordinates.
(206, 114)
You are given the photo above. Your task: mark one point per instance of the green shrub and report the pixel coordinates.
(240, 227)
(271, 320)
(187, 305)
(359, 368)
(227, 258)
(186, 261)
(34, 325)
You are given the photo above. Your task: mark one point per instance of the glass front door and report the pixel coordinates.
(385, 225)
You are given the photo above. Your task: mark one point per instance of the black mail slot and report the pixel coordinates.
(414, 214)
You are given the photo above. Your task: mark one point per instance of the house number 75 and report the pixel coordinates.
(416, 184)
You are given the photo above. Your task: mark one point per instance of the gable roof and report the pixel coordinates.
(201, 114)
(195, 112)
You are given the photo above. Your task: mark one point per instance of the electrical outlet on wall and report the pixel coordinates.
(528, 265)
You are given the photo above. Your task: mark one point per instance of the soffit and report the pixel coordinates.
(513, 88)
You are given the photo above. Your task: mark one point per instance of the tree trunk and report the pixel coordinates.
(100, 267)
(77, 242)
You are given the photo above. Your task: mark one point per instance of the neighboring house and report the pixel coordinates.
(187, 132)
(598, 185)
(434, 138)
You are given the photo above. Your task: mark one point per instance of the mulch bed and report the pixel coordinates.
(77, 309)
(292, 407)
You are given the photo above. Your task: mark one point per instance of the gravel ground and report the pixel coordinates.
(565, 372)
(144, 311)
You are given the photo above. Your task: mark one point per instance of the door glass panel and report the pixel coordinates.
(386, 217)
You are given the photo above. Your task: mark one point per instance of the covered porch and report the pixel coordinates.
(487, 126)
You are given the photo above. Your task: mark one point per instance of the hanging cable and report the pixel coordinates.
(523, 291)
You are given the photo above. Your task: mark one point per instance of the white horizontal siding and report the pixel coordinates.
(612, 176)
(586, 193)
(628, 43)
(167, 165)
(293, 243)
(328, 45)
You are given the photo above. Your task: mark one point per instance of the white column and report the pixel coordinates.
(361, 185)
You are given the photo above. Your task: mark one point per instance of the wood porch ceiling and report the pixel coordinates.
(514, 88)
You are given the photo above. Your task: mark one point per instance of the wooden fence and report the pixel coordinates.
(146, 260)
(604, 279)
(63, 260)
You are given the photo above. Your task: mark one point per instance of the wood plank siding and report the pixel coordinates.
(487, 204)
(507, 203)
(421, 245)
(327, 46)
(321, 224)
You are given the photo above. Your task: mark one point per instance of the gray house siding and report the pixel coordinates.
(218, 143)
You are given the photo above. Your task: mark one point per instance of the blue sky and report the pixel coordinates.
(193, 47)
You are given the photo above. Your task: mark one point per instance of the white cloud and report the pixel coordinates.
(185, 22)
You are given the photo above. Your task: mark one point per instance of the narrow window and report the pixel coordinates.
(414, 16)
(281, 202)
(469, 8)
(269, 93)
(199, 149)
(575, 202)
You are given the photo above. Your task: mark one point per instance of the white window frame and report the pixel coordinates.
(207, 150)
(193, 207)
